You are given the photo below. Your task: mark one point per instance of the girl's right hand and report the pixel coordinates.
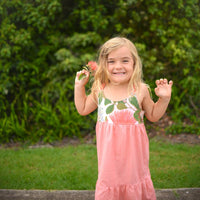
(84, 80)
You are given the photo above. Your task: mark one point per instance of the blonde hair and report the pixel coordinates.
(101, 75)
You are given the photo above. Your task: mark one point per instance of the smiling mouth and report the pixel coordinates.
(119, 73)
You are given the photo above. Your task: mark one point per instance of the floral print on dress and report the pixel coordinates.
(122, 117)
(126, 111)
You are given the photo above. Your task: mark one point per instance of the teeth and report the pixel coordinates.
(120, 73)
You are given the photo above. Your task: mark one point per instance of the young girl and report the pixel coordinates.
(122, 99)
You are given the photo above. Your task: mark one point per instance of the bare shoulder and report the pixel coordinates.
(144, 90)
(144, 96)
(95, 96)
(142, 93)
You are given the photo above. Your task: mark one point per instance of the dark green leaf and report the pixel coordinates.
(107, 101)
(133, 101)
(110, 109)
(137, 116)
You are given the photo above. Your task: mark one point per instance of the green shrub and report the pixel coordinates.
(183, 128)
(44, 43)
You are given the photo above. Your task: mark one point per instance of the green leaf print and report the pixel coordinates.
(121, 105)
(133, 101)
(107, 101)
(137, 115)
(109, 109)
(100, 98)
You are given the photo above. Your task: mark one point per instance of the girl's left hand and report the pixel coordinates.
(163, 89)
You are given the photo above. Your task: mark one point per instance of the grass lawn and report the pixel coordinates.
(75, 167)
(174, 165)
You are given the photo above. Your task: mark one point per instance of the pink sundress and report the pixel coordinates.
(123, 151)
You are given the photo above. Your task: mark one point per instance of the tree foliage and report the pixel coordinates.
(44, 42)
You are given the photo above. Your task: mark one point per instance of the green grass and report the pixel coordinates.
(49, 168)
(75, 167)
(174, 165)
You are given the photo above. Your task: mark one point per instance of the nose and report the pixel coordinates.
(118, 65)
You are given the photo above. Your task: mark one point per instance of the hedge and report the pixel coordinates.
(44, 42)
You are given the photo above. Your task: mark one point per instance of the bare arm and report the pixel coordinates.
(154, 111)
(84, 104)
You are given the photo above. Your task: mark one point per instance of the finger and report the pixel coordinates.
(157, 82)
(156, 90)
(165, 81)
(79, 72)
(86, 73)
(171, 83)
(77, 76)
(82, 72)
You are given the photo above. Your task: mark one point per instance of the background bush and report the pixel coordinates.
(44, 42)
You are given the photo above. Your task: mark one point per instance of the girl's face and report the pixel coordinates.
(120, 66)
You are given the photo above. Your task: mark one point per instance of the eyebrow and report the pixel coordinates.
(120, 58)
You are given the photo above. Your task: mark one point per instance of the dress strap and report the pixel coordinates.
(133, 91)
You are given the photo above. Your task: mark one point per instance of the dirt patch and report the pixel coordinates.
(157, 130)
